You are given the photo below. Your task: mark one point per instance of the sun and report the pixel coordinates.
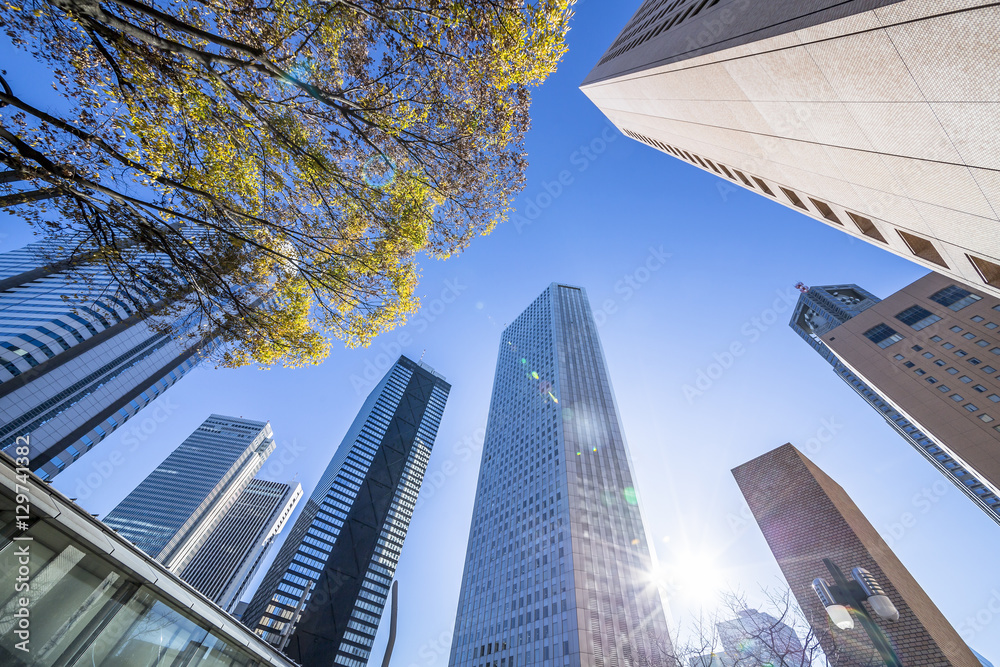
(694, 577)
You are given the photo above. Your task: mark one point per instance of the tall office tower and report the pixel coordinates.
(924, 358)
(323, 596)
(229, 559)
(76, 361)
(174, 510)
(757, 638)
(836, 108)
(557, 570)
(806, 517)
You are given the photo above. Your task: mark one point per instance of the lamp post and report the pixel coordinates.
(846, 596)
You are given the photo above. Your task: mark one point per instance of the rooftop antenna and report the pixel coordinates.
(422, 355)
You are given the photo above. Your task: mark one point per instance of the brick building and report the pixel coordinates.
(805, 517)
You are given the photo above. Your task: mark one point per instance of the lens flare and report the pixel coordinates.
(379, 171)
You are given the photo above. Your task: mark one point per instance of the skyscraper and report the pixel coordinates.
(558, 568)
(757, 638)
(323, 596)
(927, 359)
(76, 360)
(837, 109)
(806, 517)
(95, 599)
(175, 509)
(230, 557)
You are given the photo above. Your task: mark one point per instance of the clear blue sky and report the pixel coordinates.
(734, 257)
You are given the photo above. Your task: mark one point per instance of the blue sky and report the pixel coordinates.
(733, 259)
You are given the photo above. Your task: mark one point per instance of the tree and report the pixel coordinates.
(272, 168)
(763, 641)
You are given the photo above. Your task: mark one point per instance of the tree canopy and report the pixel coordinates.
(273, 167)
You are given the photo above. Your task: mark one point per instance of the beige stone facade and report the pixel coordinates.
(805, 517)
(876, 117)
(945, 377)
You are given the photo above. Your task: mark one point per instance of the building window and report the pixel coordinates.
(928, 355)
(918, 318)
(956, 398)
(937, 339)
(920, 372)
(825, 210)
(909, 364)
(794, 198)
(989, 369)
(916, 348)
(952, 371)
(980, 388)
(994, 398)
(974, 361)
(986, 418)
(969, 336)
(899, 357)
(764, 186)
(883, 335)
(939, 362)
(956, 329)
(978, 318)
(867, 227)
(970, 407)
(988, 271)
(746, 181)
(991, 325)
(961, 353)
(932, 380)
(955, 297)
(922, 248)
(995, 350)
(726, 172)
(948, 346)
(982, 343)
(944, 389)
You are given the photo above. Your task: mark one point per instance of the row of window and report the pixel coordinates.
(956, 397)
(694, 8)
(988, 272)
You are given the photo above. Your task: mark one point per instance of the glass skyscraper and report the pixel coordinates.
(229, 559)
(76, 361)
(558, 570)
(175, 509)
(323, 596)
(95, 599)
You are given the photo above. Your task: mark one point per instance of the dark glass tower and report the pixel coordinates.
(174, 510)
(558, 569)
(323, 596)
(227, 562)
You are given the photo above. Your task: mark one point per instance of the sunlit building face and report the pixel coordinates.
(558, 567)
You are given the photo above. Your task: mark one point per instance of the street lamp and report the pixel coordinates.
(844, 599)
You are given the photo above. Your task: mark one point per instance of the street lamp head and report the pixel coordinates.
(839, 614)
(877, 598)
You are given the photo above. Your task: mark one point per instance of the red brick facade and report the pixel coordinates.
(806, 516)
